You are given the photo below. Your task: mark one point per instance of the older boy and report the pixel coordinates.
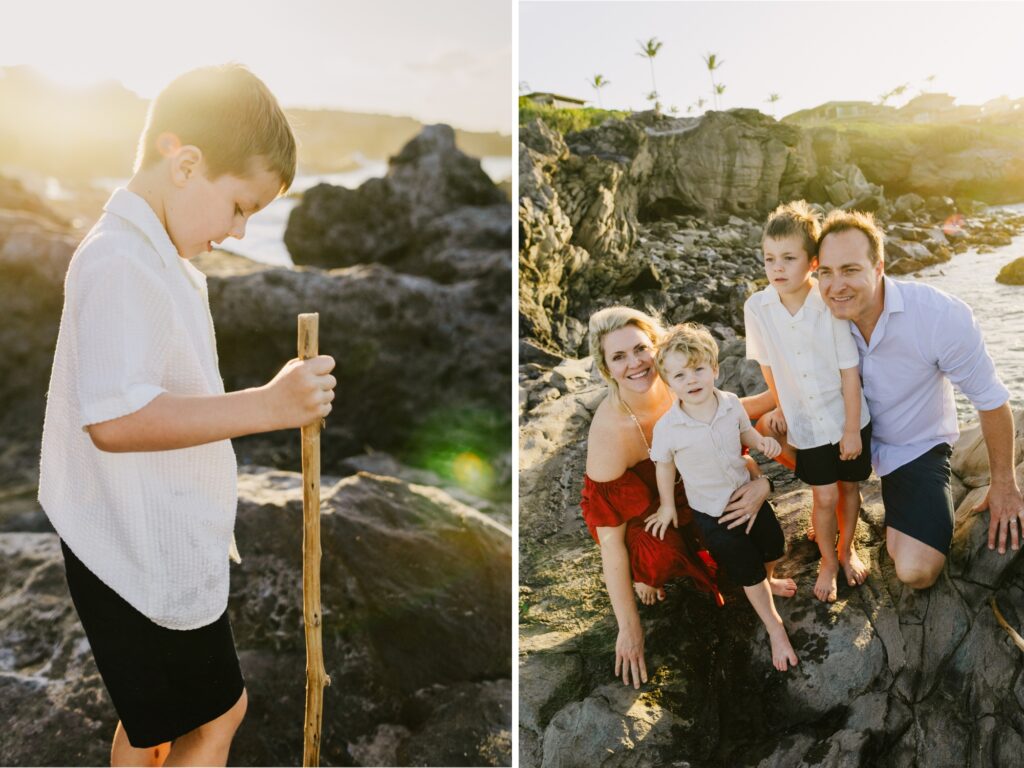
(137, 471)
(701, 436)
(915, 342)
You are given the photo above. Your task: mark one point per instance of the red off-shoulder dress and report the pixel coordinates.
(630, 499)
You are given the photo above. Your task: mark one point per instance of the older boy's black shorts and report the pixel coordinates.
(918, 501)
(163, 682)
(742, 555)
(822, 465)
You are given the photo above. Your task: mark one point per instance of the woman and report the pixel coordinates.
(620, 491)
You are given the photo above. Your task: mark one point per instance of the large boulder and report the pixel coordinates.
(417, 633)
(1012, 273)
(402, 219)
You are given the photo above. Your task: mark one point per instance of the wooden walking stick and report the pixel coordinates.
(316, 676)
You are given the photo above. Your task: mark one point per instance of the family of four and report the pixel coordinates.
(860, 371)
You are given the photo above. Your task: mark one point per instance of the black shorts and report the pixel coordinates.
(741, 555)
(163, 682)
(918, 501)
(822, 465)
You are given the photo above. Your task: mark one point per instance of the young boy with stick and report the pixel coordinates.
(137, 472)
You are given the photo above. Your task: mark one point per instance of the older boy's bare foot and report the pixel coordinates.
(783, 655)
(648, 595)
(854, 569)
(782, 587)
(825, 586)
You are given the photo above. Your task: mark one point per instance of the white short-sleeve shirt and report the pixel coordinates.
(708, 456)
(154, 526)
(805, 351)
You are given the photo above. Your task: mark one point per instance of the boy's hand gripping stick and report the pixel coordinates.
(316, 676)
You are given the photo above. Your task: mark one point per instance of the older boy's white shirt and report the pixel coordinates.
(805, 352)
(708, 456)
(156, 527)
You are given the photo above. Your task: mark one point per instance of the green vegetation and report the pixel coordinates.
(566, 120)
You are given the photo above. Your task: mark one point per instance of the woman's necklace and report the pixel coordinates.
(637, 422)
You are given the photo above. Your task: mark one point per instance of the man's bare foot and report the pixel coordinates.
(825, 586)
(782, 587)
(855, 570)
(783, 655)
(648, 595)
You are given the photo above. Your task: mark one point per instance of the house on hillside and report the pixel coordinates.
(555, 100)
(928, 108)
(837, 110)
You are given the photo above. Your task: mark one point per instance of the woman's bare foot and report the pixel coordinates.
(825, 586)
(811, 535)
(782, 587)
(855, 570)
(648, 595)
(783, 655)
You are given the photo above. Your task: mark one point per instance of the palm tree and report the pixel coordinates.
(772, 98)
(649, 50)
(712, 62)
(597, 83)
(719, 90)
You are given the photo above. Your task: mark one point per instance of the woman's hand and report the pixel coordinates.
(745, 502)
(659, 522)
(629, 656)
(777, 421)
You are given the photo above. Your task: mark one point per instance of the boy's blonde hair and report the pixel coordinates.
(842, 221)
(230, 115)
(611, 319)
(691, 340)
(794, 218)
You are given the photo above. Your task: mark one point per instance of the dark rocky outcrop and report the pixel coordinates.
(417, 633)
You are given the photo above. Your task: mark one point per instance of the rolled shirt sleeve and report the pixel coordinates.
(960, 350)
(846, 347)
(756, 347)
(661, 448)
(123, 326)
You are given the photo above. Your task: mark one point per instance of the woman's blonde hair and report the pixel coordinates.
(610, 319)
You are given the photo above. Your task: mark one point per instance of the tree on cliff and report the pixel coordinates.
(712, 62)
(597, 83)
(649, 50)
(772, 98)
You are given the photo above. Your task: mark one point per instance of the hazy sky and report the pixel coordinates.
(435, 60)
(807, 52)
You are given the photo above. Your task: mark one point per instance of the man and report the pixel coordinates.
(915, 343)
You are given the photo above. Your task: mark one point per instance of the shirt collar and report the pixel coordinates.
(137, 212)
(812, 301)
(893, 296)
(679, 416)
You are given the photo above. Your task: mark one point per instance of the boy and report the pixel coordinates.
(809, 360)
(137, 471)
(701, 436)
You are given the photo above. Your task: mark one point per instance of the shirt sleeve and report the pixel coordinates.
(122, 324)
(846, 348)
(756, 346)
(963, 358)
(661, 448)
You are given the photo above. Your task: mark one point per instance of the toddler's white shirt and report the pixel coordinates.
(805, 352)
(155, 526)
(708, 456)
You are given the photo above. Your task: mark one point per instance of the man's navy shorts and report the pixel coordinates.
(918, 501)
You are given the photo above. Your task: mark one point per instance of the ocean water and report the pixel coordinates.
(999, 309)
(264, 234)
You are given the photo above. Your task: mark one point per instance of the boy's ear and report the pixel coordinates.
(186, 162)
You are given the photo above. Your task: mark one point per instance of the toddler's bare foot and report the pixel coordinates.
(825, 586)
(648, 595)
(783, 655)
(855, 570)
(782, 587)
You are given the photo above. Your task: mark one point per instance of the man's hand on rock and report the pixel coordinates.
(1006, 509)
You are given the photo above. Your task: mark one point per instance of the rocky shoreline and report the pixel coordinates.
(417, 555)
(665, 215)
